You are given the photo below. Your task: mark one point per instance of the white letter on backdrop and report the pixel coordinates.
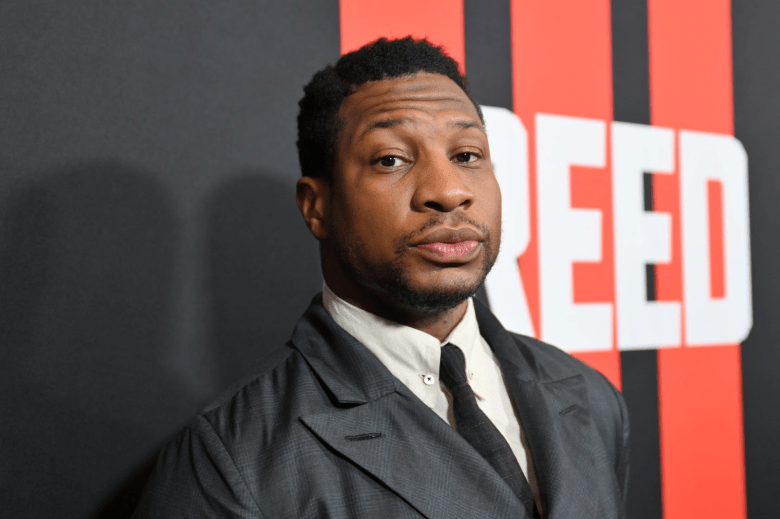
(641, 237)
(703, 157)
(509, 151)
(568, 235)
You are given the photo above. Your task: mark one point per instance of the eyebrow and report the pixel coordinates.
(389, 123)
(466, 124)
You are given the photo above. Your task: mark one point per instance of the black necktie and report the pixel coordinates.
(477, 429)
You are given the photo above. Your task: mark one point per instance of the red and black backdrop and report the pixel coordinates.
(150, 248)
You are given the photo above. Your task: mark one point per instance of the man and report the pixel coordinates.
(399, 395)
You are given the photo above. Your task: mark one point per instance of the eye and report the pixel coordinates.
(389, 161)
(466, 156)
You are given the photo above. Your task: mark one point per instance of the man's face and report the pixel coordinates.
(414, 217)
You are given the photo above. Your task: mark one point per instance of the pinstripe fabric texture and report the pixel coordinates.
(329, 432)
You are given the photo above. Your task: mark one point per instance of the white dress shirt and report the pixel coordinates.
(413, 357)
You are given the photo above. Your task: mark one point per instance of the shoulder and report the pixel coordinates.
(255, 417)
(552, 363)
(230, 455)
(607, 406)
(261, 407)
(539, 360)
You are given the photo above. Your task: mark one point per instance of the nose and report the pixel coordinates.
(441, 186)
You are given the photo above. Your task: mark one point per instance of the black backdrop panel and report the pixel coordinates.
(756, 115)
(150, 247)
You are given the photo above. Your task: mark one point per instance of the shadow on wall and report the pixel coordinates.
(86, 265)
(263, 269)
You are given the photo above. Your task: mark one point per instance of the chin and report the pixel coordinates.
(431, 299)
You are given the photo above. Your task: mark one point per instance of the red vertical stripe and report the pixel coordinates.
(701, 433)
(690, 64)
(700, 408)
(441, 21)
(562, 64)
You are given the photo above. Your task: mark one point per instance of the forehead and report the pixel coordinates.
(422, 95)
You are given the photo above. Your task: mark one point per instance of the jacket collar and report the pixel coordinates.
(383, 428)
(354, 375)
(520, 362)
(351, 372)
(412, 440)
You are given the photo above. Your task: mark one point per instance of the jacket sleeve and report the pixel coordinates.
(196, 477)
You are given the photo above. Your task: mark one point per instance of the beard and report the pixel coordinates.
(392, 278)
(433, 300)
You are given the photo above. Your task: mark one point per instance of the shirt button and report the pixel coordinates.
(428, 380)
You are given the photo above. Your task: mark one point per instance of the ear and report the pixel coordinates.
(312, 195)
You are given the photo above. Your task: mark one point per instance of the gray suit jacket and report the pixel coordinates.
(329, 432)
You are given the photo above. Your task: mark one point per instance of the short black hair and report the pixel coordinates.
(318, 121)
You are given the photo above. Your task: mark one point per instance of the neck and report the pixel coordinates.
(439, 325)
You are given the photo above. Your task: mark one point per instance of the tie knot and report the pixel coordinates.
(452, 369)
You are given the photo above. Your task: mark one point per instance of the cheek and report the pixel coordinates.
(490, 195)
(382, 204)
(498, 210)
(372, 218)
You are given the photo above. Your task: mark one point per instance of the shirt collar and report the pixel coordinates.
(408, 353)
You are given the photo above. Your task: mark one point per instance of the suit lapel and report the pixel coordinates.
(380, 426)
(556, 420)
(418, 456)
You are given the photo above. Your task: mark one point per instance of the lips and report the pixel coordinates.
(450, 245)
(449, 235)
